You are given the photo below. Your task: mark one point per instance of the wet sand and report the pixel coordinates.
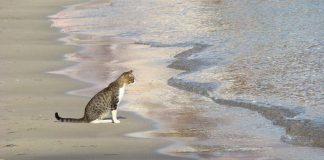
(29, 96)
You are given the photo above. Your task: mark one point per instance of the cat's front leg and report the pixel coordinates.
(114, 116)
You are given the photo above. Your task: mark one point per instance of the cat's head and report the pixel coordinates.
(127, 77)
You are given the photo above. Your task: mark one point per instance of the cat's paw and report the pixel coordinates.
(116, 121)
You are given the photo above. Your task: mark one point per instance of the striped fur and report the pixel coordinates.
(104, 102)
(73, 120)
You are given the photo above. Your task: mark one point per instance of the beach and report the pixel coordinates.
(203, 71)
(213, 79)
(30, 95)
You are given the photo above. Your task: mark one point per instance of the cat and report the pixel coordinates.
(104, 102)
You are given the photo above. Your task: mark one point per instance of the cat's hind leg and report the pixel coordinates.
(102, 121)
(114, 116)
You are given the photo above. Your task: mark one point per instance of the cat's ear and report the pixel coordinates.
(131, 71)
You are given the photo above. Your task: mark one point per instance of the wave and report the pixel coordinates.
(309, 132)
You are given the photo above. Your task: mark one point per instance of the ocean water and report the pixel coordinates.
(221, 79)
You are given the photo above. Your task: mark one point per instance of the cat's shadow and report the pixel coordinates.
(118, 117)
(121, 117)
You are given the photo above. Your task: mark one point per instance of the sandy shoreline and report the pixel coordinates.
(29, 97)
(114, 36)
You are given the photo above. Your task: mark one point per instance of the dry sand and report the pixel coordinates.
(29, 96)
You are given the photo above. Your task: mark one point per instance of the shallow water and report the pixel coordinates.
(202, 47)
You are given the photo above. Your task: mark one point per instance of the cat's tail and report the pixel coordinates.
(73, 120)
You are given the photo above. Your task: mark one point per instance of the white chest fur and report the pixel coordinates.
(121, 93)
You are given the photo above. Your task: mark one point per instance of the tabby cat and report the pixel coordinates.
(104, 102)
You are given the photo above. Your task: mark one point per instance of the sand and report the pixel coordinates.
(29, 96)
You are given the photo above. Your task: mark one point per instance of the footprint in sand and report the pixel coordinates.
(10, 145)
